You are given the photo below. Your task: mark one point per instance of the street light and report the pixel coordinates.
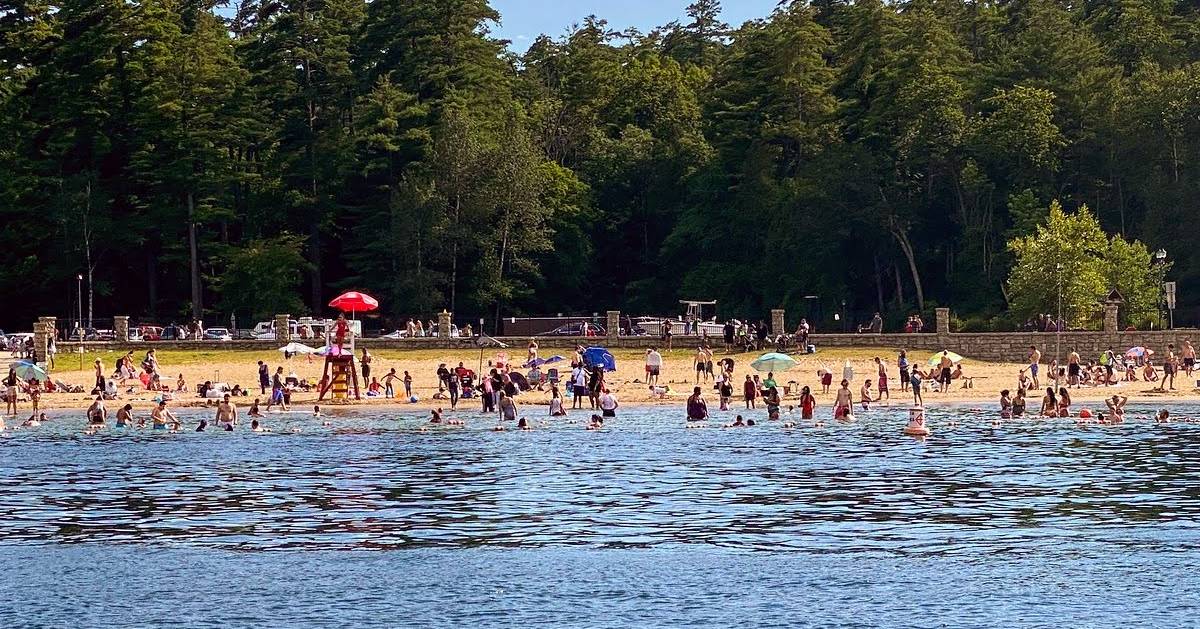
(845, 321)
(1058, 325)
(79, 302)
(1160, 259)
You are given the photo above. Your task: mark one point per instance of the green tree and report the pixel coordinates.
(262, 277)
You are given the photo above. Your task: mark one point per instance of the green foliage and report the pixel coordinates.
(262, 277)
(1070, 253)
(878, 153)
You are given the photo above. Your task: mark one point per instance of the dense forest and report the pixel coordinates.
(193, 157)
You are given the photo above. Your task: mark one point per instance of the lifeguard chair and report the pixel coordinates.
(341, 370)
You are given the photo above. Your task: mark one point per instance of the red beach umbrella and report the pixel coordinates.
(354, 301)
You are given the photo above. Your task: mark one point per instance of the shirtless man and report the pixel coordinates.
(226, 414)
(947, 367)
(1116, 406)
(1169, 369)
(699, 361)
(865, 395)
(1188, 353)
(1073, 368)
(841, 408)
(162, 417)
(125, 416)
(1035, 357)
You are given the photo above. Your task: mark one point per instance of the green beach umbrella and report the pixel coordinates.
(936, 359)
(773, 361)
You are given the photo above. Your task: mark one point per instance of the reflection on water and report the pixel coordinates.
(373, 481)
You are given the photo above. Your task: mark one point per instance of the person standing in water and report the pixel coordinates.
(161, 417)
(508, 408)
(96, 413)
(226, 414)
(697, 409)
(841, 408)
(883, 381)
(1116, 406)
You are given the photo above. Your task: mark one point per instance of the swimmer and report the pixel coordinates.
(523, 424)
(254, 412)
(1116, 405)
(202, 425)
(596, 423)
(1163, 417)
(788, 425)
(257, 427)
(316, 411)
(32, 422)
(435, 416)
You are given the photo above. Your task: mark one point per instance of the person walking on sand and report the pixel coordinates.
(389, 383)
(902, 364)
(1035, 358)
(1073, 368)
(697, 409)
(654, 361)
(1169, 368)
(1188, 353)
(264, 377)
(698, 361)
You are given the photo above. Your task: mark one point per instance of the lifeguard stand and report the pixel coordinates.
(341, 371)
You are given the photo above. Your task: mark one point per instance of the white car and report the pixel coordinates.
(217, 334)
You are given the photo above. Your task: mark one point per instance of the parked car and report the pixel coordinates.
(135, 335)
(3, 341)
(217, 334)
(149, 333)
(577, 329)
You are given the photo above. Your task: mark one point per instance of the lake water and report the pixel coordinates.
(372, 522)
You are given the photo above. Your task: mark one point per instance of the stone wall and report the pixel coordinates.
(995, 346)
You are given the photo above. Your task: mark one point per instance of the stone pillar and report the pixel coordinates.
(121, 328)
(283, 331)
(42, 329)
(943, 321)
(443, 330)
(614, 324)
(778, 325)
(1110, 317)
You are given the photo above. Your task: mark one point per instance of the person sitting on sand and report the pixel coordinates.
(1116, 406)
(1049, 404)
(697, 409)
(375, 389)
(1149, 373)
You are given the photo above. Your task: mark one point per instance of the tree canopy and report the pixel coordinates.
(191, 159)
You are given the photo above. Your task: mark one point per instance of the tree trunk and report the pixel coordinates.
(454, 251)
(197, 303)
(87, 250)
(878, 284)
(906, 246)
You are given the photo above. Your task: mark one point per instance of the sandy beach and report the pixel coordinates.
(241, 367)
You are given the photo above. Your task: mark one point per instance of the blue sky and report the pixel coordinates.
(524, 20)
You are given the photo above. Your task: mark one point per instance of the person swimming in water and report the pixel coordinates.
(1116, 406)
(524, 424)
(596, 423)
(435, 416)
(1163, 416)
(254, 411)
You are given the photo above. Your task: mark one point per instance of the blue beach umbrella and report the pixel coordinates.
(599, 356)
(28, 370)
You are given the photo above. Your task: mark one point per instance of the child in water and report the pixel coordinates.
(596, 423)
(1005, 405)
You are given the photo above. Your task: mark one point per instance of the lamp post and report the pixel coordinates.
(1058, 325)
(845, 321)
(1160, 259)
(79, 303)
